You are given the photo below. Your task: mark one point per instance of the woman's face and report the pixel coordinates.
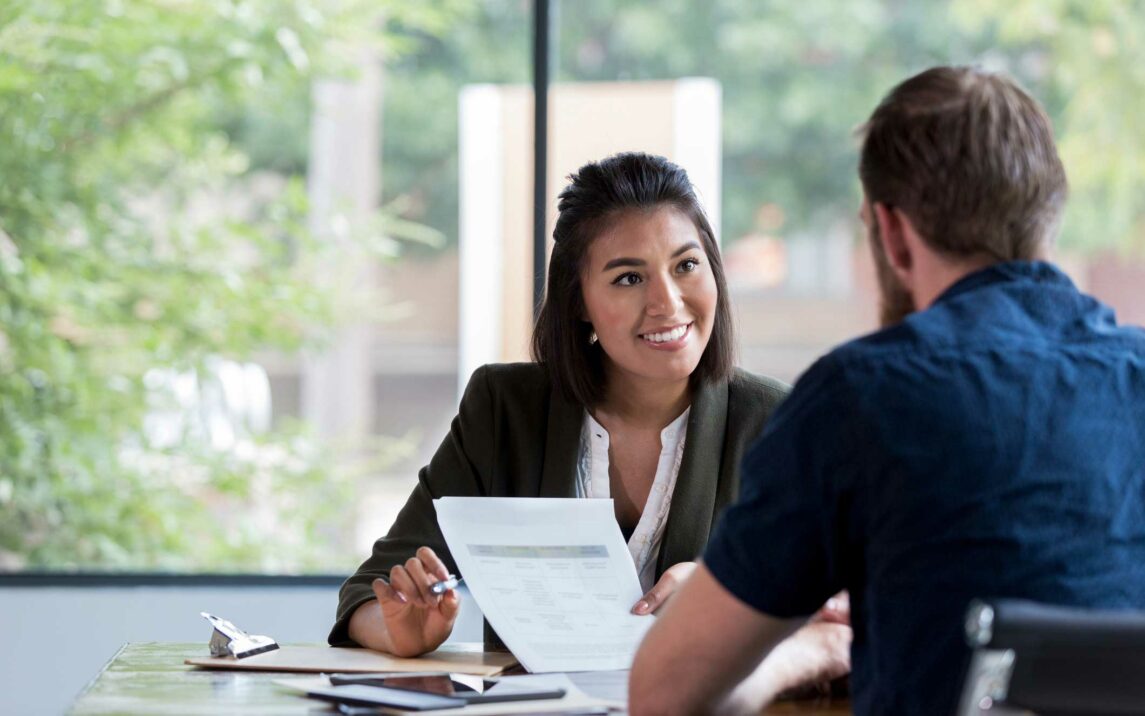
(650, 295)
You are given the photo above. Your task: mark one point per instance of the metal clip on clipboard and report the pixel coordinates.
(228, 640)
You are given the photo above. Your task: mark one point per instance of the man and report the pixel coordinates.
(988, 442)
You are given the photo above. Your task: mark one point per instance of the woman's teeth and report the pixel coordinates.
(673, 335)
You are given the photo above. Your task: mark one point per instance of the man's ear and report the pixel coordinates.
(893, 226)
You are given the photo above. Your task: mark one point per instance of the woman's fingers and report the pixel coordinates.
(837, 610)
(423, 580)
(403, 585)
(647, 603)
(433, 564)
(425, 569)
(386, 594)
(415, 620)
(410, 583)
(669, 582)
(450, 604)
(656, 596)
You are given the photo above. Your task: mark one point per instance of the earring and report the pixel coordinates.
(592, 338)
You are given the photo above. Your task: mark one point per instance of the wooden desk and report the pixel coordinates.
(150, 678)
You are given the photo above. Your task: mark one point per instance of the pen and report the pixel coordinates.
(445, 585)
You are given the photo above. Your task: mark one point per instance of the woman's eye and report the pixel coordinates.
(689, 265)
(627, 279)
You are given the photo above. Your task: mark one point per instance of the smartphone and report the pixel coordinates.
(471, 689)
(365, 695)
(427, 682)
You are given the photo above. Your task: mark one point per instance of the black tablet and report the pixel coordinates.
(476, 691)
(364, 695)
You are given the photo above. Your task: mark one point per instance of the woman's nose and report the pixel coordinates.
(664, 297)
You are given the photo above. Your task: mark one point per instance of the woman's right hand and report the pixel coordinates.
(416, 620)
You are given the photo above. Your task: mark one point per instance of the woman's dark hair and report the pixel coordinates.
(597, 195)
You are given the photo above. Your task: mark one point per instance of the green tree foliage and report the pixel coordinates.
(798, 78)
(135, 243)
(140, 231)
(490, 44)
(1086, 60)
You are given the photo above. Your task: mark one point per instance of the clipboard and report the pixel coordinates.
(464, 659)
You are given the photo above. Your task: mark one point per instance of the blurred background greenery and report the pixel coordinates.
(798, 78)
(153, 212)
(127, 266)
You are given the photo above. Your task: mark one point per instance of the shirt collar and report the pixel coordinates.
(1005, 272)
(670, 435)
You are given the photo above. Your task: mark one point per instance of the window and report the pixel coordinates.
(236, 240)
(796, 80)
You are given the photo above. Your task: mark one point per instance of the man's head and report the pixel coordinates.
(962, 162)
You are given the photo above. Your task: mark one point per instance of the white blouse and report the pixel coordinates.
(592, 482)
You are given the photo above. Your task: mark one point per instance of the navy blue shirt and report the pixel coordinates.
(992, 445)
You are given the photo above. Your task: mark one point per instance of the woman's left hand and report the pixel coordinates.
(669, 582)
(837, 610)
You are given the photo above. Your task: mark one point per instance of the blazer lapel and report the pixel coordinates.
(558, 476)
(694, 500)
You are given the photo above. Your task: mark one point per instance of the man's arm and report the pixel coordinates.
(703, 645)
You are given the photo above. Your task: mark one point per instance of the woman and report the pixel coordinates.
(633, 396)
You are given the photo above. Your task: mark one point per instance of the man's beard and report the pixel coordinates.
(895, 302)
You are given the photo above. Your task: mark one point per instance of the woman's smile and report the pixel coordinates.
(671, 338)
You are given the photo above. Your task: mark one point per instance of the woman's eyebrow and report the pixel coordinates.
(625, 261)
(685, 248)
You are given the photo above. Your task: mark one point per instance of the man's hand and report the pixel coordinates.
(703, 644)
(669, 582)
(703, 654)
(816, 654)
(408, 620)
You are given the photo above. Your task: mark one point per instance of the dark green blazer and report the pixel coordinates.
(515, 435)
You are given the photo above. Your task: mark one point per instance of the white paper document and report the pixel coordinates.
(553, 577)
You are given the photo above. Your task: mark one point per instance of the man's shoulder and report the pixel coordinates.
(912, 342)
(993, 325)
(881, 343)
(908, 356)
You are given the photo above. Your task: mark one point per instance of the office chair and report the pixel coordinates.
(1053, 661)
